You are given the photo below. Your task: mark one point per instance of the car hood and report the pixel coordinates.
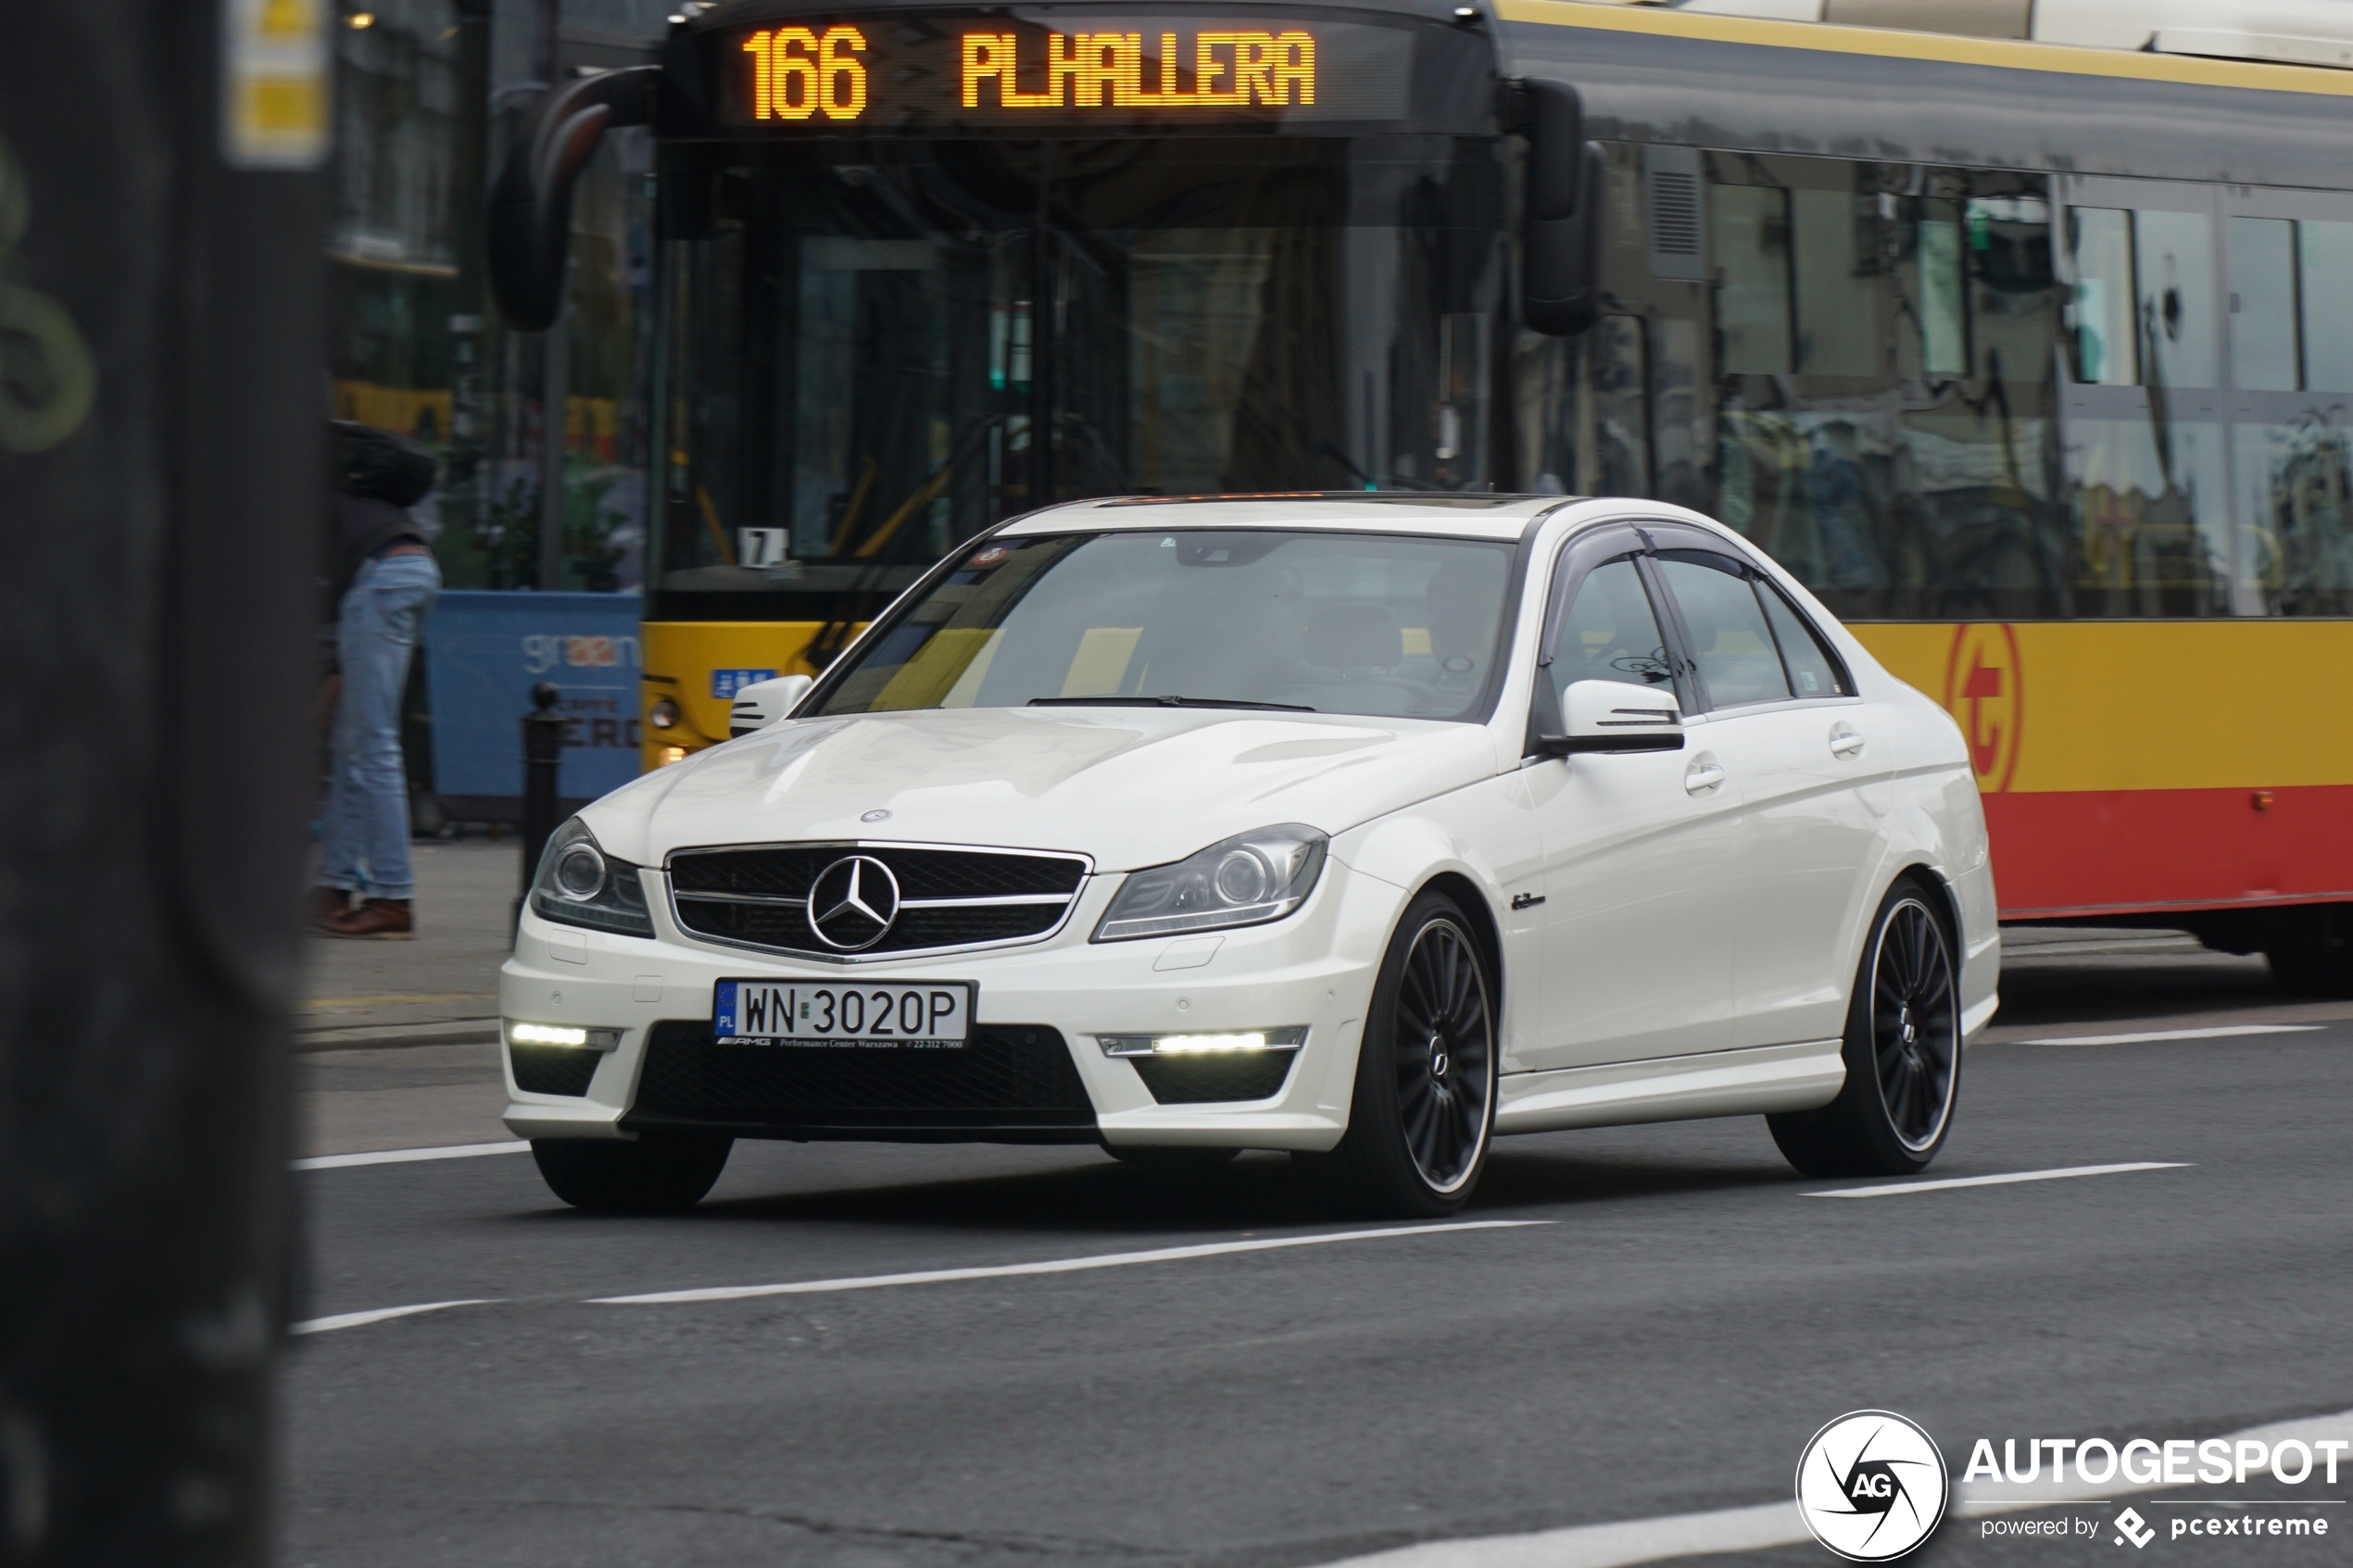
(1131, 787)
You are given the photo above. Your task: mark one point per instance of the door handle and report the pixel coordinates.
(1700, 777)
(1845, 740)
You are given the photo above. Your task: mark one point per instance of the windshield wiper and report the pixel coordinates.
(1166, 702)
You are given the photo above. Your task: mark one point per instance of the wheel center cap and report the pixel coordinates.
(1437, 1057)
(1911, 1029)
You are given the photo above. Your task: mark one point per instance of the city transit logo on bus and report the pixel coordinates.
(1985, 691)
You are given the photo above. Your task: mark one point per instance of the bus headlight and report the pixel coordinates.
(663, 714)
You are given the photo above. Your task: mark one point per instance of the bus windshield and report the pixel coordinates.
(1390, 625)
(876, 349)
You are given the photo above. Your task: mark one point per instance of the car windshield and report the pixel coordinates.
(1364, 623)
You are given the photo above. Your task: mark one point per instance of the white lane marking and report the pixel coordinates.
(356, 1320)
(1607, 1546)
(2058, 1175)
(1053, 1266)
(403, 1156)
(2155, 1035)
(1755, 1528)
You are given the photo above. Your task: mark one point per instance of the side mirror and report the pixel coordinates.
(1615, 716)
(1561, 218)
(528, 229)
(762, 703)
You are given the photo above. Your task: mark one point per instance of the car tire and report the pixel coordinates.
(1903, 1051)
(658, 1174)
(1170, 1159)
(1423, 1114)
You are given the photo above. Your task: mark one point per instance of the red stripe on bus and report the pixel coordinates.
(2082, 852)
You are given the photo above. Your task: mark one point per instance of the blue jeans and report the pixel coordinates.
(364, 841)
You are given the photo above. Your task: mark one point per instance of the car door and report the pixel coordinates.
(1636, 846)
(1798, 746)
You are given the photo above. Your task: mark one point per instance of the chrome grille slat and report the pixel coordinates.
(954, 897)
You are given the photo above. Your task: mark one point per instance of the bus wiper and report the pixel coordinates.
(1167, 702)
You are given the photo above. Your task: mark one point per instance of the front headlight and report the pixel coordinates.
(578, 884)
(1246, 880)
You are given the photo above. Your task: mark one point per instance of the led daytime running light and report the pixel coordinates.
(1203, 1045)
(573, 1036)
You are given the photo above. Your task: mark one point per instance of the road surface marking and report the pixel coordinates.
(2154, 1036)
(1758, 1527)
(356, 1320)
(404, 1156)
(2058, 1175)
(1056, 1266)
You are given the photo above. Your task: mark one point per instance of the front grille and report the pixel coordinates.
(1198, 1080)
(553, 1070)
(948, 897)
(1009, 1081)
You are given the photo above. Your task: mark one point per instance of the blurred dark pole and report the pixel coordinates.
(543, 754)
(162, 479)
(463, 480)
(555, 351)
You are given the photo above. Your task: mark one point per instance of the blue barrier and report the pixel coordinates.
(483, 652)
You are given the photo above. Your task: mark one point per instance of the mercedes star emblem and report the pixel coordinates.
(852, 903)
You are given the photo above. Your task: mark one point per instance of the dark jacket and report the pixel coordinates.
(362, 526)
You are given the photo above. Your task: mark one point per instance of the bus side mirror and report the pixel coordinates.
(528, 230)
(1561, 223)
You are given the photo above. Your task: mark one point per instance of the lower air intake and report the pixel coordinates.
(1008, 1083)
(553, 1070)
(1214, 1077)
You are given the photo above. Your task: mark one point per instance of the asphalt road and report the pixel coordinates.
(1678, 1318)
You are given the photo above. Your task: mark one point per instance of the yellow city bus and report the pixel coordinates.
(2032, 360)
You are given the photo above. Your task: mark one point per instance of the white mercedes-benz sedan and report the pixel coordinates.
(1367, 827)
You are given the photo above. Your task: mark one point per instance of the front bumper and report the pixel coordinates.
(1314, 968)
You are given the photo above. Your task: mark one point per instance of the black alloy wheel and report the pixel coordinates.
(1916, 1026)
(1903, 1053)
(1424, 1110)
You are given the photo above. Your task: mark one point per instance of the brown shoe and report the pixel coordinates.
(328, 904)
(385, 918)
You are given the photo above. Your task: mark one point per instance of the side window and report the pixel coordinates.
(1609, 634)
(1812, 670)
(1730, 641)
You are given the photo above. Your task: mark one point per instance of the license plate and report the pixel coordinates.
(878, 1015)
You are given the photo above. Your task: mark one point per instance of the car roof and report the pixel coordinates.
(1472, 515)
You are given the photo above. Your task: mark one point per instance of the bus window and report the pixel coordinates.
(1836, 248)
(2293, 456)
(2173, 255)
(2325, 254)
(1582, 403)
(1934, 342)
(2262, 257)
(2106, 344)
(1750, 226)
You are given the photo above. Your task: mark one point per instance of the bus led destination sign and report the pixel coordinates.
(881, 73)
(1094, 70)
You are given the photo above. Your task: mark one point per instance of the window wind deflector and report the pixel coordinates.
(1167, 702)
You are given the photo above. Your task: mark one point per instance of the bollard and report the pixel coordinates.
(543, 746)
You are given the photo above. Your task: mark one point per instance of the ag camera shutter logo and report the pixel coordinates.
(1872, 1486)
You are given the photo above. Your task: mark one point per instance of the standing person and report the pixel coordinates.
(388, 582)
